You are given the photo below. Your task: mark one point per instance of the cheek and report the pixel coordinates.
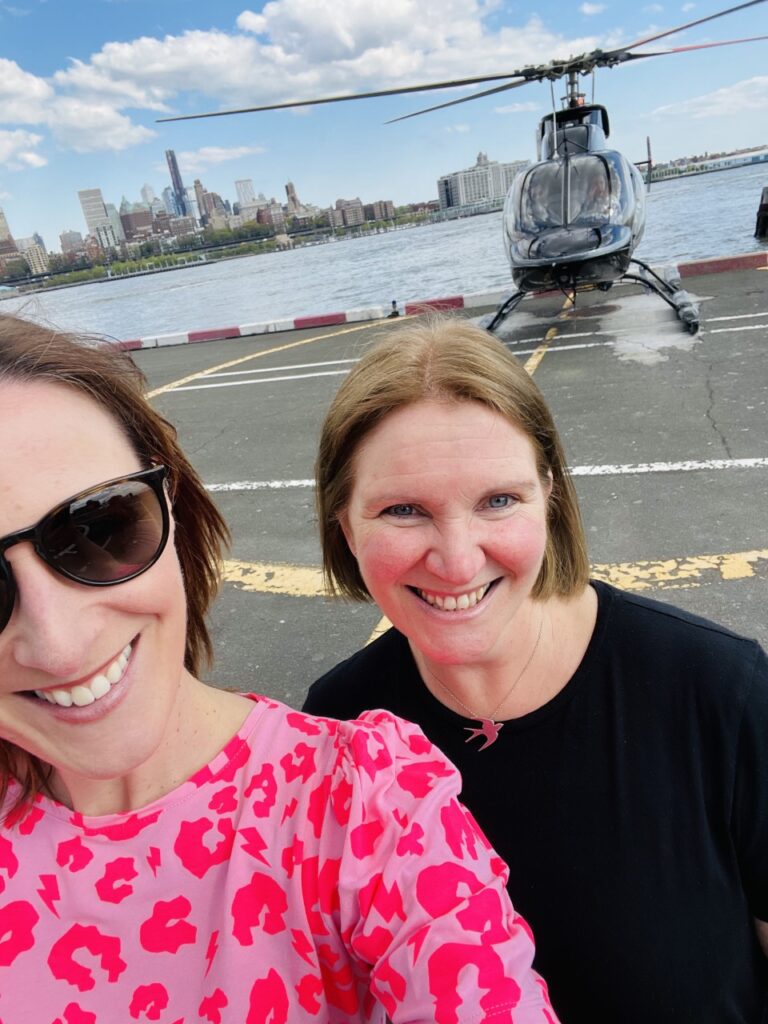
(523, 545)
(384, 557)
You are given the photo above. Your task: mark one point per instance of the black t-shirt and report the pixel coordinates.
(632, 810)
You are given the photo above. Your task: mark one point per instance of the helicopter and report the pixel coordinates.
(573, 218)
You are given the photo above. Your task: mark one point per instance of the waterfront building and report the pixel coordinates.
(136, 220)
(94, 210)
(200, 194)
(115, 223)
(293, 200)
(190, 205)
(182, 226)
(37, 259)
(383, 209)
(71, 241)
(351, 211)
(169, 203)
(7, 243)
(105, 237)
(179, 192)
(488, 179)
(148, 194)
(246, 195)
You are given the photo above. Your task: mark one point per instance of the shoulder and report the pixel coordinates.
(662, 619)
(675, 640)
(362, 681)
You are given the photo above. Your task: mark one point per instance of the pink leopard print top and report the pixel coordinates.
(314, 871)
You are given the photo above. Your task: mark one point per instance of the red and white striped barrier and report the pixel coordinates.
(717, 265)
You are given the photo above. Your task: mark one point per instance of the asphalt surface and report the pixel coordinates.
(656, 424)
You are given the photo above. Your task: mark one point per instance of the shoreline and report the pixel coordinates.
(692, 268)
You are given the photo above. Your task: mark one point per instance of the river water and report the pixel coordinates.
(688, 218)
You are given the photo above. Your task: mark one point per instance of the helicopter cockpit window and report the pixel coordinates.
(584, 191)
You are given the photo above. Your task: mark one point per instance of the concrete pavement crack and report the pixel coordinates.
(710, 412)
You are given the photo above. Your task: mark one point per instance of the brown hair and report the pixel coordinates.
(33, 352)
(444, 359)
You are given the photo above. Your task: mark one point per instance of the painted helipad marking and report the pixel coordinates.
(685, 571)
(609, 469)
(263, 380)
(283, 369)
(177, 384)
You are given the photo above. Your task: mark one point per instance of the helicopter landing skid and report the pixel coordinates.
(494, 320)
(670, 291)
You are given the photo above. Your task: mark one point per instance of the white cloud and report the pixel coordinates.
(517, 108)
(86, 126)
(653, 9)
(688, 7)
(22, 96)
(195, 161)
(460, 129)
(18, 150)
(292, 49)
(748, 95)
(591, 9)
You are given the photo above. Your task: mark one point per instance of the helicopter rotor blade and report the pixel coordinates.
(681, 28)
(402, 90)
(463, 99)
(695, 46)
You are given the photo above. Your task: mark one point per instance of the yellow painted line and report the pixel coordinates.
(677, 573)
(277, 578)
(686, 571)
(267, 352)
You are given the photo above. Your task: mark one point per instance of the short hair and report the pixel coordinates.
(31, 352)
(444, 359)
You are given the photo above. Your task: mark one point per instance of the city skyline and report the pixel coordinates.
(80, 96)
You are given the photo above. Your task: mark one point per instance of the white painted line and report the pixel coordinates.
(263, 380)
(731, 330)
(740, 316)
(280, 369)
(629, 469)
(260, 485)
(626, 469)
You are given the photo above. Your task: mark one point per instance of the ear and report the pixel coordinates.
(343, 521)
(548, 484)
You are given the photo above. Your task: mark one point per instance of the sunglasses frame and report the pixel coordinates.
(154, 477)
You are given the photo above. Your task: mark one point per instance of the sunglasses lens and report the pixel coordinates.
(6, 593)
(107, 535)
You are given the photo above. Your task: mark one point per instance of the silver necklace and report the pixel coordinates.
(487, 728)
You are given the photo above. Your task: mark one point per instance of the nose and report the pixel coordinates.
(48, 630)
(456, 555)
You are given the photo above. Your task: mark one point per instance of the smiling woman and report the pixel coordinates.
(170, 848)
(614, 749)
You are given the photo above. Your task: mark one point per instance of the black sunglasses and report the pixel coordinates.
(108, 534)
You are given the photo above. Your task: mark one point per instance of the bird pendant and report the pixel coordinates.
(489, 730)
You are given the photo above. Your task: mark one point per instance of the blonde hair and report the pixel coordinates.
(30, 352)
(445, 359)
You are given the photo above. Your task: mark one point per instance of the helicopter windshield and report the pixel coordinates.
(583, 191)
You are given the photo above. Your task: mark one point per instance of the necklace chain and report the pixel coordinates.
(489, 728)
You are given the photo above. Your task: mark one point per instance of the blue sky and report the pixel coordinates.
(83, 81)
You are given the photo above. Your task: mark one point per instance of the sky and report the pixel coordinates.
(82, 83)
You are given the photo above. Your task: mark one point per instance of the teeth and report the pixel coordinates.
(87, 693)
(455, 602)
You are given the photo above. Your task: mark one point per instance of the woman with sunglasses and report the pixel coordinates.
(170, 851)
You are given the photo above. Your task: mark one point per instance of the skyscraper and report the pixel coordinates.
(179, 192)
(94, 210)
(7, 244)
(246, 195)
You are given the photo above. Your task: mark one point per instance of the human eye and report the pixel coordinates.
(501, 501)
(400, 511)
